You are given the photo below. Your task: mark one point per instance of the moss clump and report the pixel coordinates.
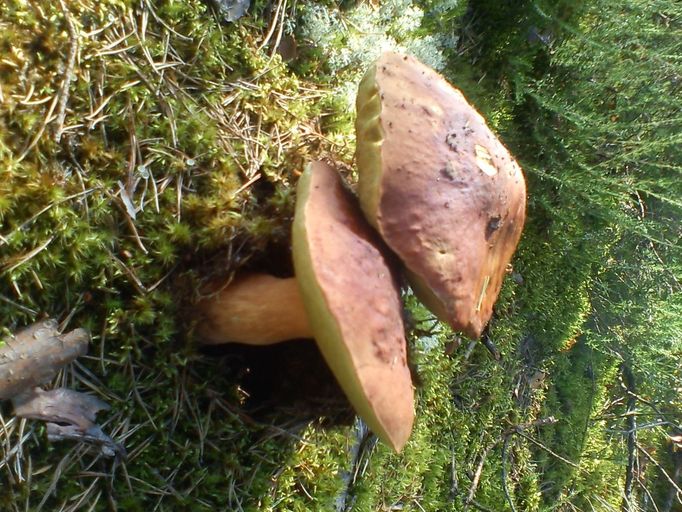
(174, 161)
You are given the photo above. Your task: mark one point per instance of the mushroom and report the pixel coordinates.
(345, 295)
(439, 187)
(256, 309)
(353, 303)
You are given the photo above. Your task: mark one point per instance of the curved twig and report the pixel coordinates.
(505, 446)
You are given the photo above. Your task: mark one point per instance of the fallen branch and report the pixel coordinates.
(363, 442)
(34, 355)
(541, 422)
(661, 469)
(631, 424)
(492, 348)
(505, 487)
(508, 434)
(454, 481)
(69, 415)
(487, 343)
(649, 496)
(549, 450)
(481, 507)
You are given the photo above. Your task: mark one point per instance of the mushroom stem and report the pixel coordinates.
(256, 309)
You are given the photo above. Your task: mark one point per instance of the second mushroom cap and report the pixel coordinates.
(353, 303)
(441, 189)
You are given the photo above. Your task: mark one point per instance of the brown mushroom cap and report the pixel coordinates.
(353, 303)
(441, 189)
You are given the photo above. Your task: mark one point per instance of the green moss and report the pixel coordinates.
(188, 123)
(165, 173)
(580, 388)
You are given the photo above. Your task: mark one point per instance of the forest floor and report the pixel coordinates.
(147, 148)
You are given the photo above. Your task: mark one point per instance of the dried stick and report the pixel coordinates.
(32, 357)
(69, 415)
(508, 434)
(68, 72)
(505, 487)
(488, 344)
(549, 450)
(481, 507)
(660, 468)
(363, 441)
(631, 422)
(477, 474)
(35, 354)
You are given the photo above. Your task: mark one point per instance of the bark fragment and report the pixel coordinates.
(34, 355)
(69, 415)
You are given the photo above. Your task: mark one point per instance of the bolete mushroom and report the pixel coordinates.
(255, 309)
(353, 303)
(345, 295)
(440, 188)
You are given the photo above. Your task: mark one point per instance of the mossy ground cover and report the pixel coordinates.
(173, 162)
(146, 147)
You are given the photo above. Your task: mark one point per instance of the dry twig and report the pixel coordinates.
(63, 93)
(667, 476)
(477, 474)
(34, 355)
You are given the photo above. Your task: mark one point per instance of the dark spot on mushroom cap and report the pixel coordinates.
(448, 173)
(493, 225)
(450, 141)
